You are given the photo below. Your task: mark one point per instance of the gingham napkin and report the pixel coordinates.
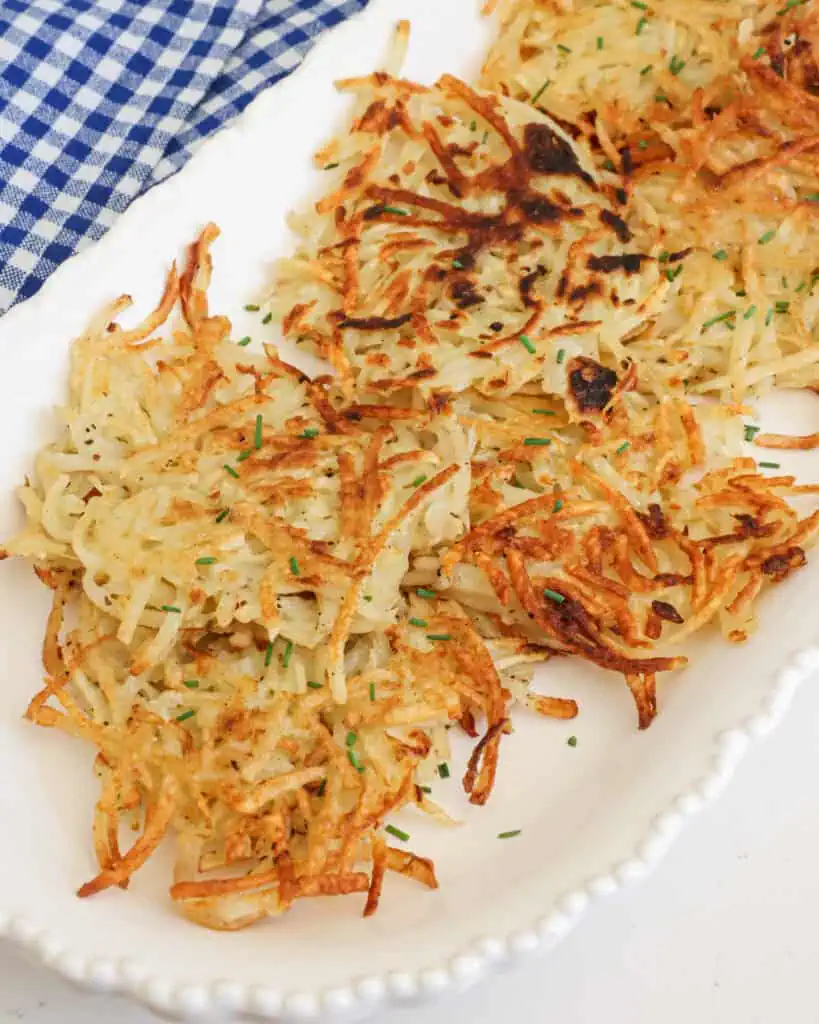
(101, 99)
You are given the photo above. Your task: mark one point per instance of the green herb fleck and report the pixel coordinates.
(422, 623)
(457, 265)
(769, 317)
(572, 741)
(314, 685)
(751, 432)
(207, 560)
(801, 287)
(527, 343)
(639, 5)
(758, 53)
(397, 209)
(537, 441)
(331, 167)
(438, 636)
(641, 24)
(267, 318)
(767, 237)
(223, 515)
(268, 655)
(257, 437)
(554, 596)
(558, 505)
(397, 832)
(310, 433)
(782, 306)
(288, 653)
(171, 608)
(509, 835)
(642, 144)
(185, 716)
(676, 65)
(191, 684)
(622, 448)
(243, 456)
(418, 480)
(352, 739)
(561, 355)
(231, 470)
(749, 312)
(719, 319)
(646, 69)
(564, 49)
(294, 566)
(322, 787)
(674, 272)
(599, 42)
(443, 770)
(245, 341)
(425, 592)
(352, 757)
(609, 165)
(544, 412)
(372, 692)
(813, 197)
(769, 465)
(540, 91)
(720, 255)
(251, 307)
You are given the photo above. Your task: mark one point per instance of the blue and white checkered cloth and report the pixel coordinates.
(101, 99)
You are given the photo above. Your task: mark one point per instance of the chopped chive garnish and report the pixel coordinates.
(223, 515)
(789, 6)
(352, 757)
(208, 560)
(397, 832)
(558, 505)
(243, 456)
(527, 343)
(457, 265)
(674, 272)
(758, 53)
(352, 739)
(245, 341)
(663, 257)
(554, 596)
(322, 787)
(171, 608)
(719, 319)
(769, 465)
(540, 91)
(230, 470)
(622, 448)
(314, 685)
(749, 312)
(257, 437)
(288, 653)
(443, 770)
(599, 42)
(509, 835)
(367, 597)
(660, 97)
(267, 318)
(642, 144)
(251, 307)
(641, 24)
(646, 69)
(439, 636)
(561, 355)
(425, 592)
(544, 412)
(418, 480)
(191, 684)
(676, 65)
(419, 622)
(801, 286)
(294, 565)
(425, 789)
(767, 237)
(537, 441)
(331, 167)
(396, 209)
(372, 691)
(572, 741)
(639, 5)
(720, 255)
(782, 306)
(609, 165)
(813, 197)
(741, 293)
(564, 49)
(769, 317)
(185, 716)
(751, 432)
(310, 433)
(268, 655)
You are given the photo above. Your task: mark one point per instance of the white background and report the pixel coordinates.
(726, 930)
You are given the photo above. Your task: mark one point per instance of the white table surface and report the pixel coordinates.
(726, 930)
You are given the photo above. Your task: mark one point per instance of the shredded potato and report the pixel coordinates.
(544, 301)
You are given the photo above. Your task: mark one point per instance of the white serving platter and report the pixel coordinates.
(593, 817)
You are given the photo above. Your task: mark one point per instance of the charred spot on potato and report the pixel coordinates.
(591, 384)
